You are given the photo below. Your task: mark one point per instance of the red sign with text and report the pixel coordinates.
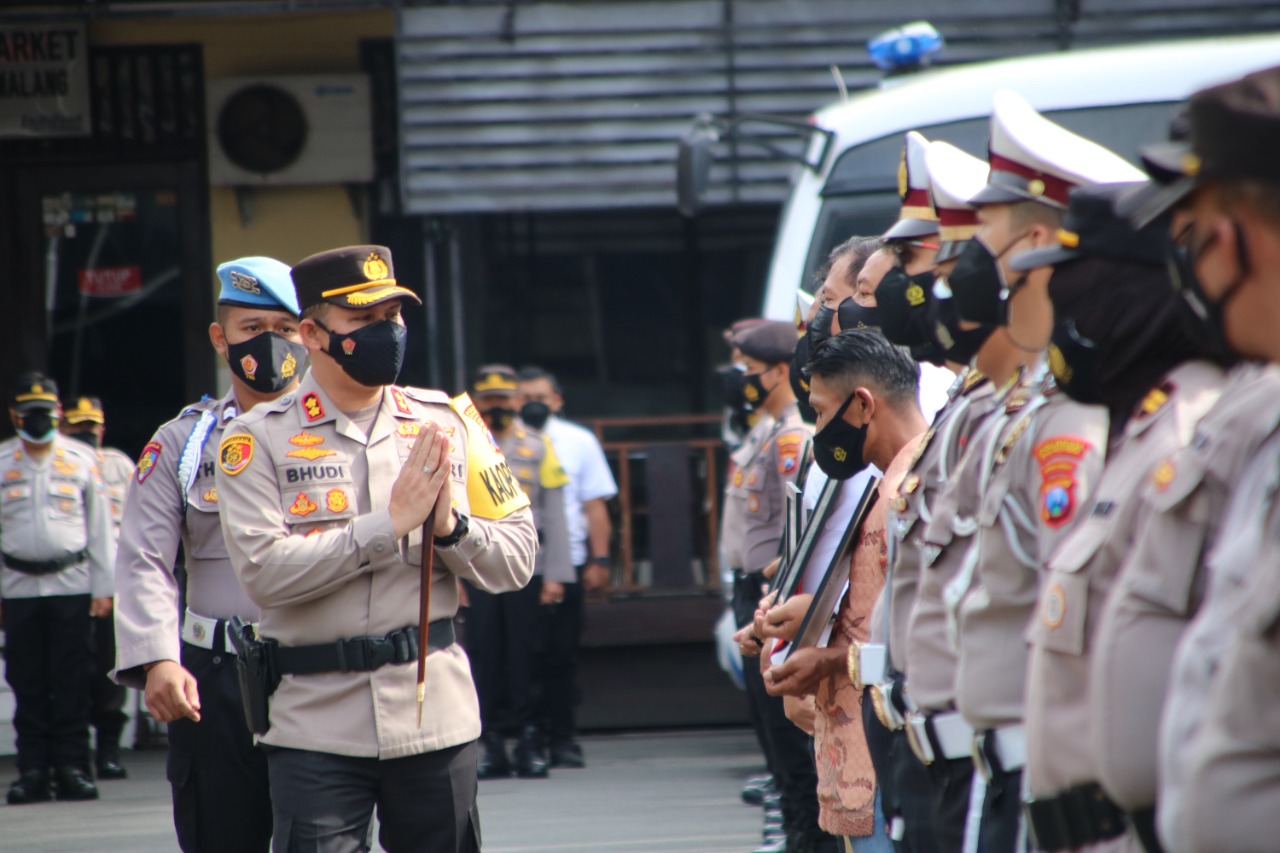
(110, 281)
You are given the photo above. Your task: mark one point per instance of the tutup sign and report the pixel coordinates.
(44, 80)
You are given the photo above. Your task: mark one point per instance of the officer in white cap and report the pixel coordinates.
(221, 800)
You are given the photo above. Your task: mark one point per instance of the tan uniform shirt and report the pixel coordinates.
(1040, 459)
(1080, 576)
(755, 498)
(536, 467)
(304, 496)
(116, 470)
(1231, 759)
(934, 528)
(156, 520)
(49, 509)
(1161, 584)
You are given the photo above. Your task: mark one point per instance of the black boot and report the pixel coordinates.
(108, 761)
(73, 783)
(494, 763)
(531, 755)
(567, 754)
(32, 787)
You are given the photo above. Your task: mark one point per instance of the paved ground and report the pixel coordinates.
(641, 793)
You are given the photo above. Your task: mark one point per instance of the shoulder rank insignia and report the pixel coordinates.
(972, 379)
(1011, 438)
(303, 505)
(922, 447)
(312, 406)
(147, 461)
(402, 405)
(1163, 475)
(1018, 397)
(306, 439)
(235, 452)
(1155, 400)
(311, 453)
(336, 500)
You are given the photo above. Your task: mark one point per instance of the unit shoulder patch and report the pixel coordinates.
(235, 453)
(1058, 458)
(790, 447)
(147, 460)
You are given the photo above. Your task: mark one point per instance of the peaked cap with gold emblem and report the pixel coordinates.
(494, 380)
(351, 277)
(83, 410)
(916, 217)
(954, 177)
(34, 390)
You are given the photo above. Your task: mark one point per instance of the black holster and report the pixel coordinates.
(255, 665)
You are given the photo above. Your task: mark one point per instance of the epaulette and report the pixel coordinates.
(203, 405)
(1020, 395)
(425, 395)
(972, 379)
(1011, 438)
(1048, 385)
(1155, 400)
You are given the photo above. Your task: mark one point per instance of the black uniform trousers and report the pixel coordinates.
(788, 750)
(1001, 830)
(903, 781)
(106, 697)
(504, 642)
(561, 689)
(324, 803)
(950, 783)
(221, 792)
(47, 662)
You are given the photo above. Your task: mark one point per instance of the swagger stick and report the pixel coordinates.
(424, 605)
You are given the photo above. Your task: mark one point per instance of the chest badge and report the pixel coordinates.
(1054, 609)
(311, 453)
(336, 500)
(1163, 475)
(211, 496)
(306, 439)
(235, 453)
(303, 505)
(12, 474)
(408, 430)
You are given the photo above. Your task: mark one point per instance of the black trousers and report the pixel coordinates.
(788, 750)
(504, 643)
(903, 781)
(324, 803)
(1002, 815)
(106, 698)
(561, 690)
(47, 660)
(221, 792)
(950, 781)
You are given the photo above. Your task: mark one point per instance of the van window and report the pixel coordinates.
(860, 194)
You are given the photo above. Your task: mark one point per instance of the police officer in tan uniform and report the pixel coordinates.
(182, 659)
(57, 548)
(324, 494)
(770, 457)
(83, 419)
(1036, 460)
(1119, 341)
(1219, 743)
(504, 631)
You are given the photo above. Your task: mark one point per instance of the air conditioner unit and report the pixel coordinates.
(289, 129)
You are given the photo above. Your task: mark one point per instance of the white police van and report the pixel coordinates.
(1120, 97)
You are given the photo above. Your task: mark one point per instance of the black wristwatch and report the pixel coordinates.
(459, 530)
(601, 561)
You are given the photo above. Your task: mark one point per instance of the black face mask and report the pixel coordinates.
(958, 345)
(371, 355)
(535, 414)
(837, 447)
(1073, 360)
(820, 326)
(499, 417)
(754, 392)
(800, 384)
(1203, 315)
(978, 285)
(85, 436)
(267, 362)
(903, 302)
(930, 353)
(731, 385)
(38, 426)
(854, 316)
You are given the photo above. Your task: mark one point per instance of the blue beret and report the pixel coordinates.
(257, 283)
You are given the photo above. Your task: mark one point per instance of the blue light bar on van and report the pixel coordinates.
(908, 46)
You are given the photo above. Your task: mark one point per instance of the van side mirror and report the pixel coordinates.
(693, 164)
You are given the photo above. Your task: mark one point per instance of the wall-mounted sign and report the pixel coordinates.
(44, 80)
(109, 281)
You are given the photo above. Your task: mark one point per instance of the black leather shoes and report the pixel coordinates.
(566, 754)
(110, 768)
(72, 783)
(494, 763)
(32, 787)
(530, 755)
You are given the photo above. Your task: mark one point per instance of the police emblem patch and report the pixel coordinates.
(303, 505)
(235, 452)
(250, 366)
(311, 405)
(245, 283)
(915, 296)
(1054, 609)
(375, 268)
(147, 461)
(336, 500)
(348, 346)
(289, 366)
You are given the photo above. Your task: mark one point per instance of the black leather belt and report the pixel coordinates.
(1075, 818)
(1143, 824)
(44, 567)
(360, 654)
